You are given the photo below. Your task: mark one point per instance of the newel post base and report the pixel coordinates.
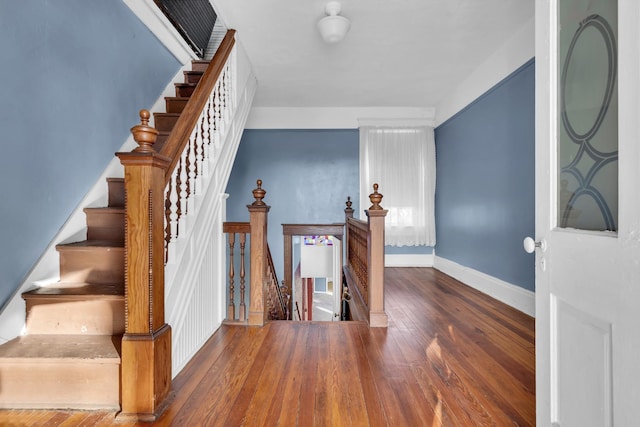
(146, 378)
(258, 257)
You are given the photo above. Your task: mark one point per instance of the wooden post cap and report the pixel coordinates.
(259, 194)
(144, 134)
(375, 198)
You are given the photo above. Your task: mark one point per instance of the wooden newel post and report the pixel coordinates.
(348, 213)
(258, 257)
(376, 215)
(146, 344)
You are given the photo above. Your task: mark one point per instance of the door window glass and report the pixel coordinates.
(588, 115)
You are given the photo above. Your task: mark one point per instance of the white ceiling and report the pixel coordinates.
(400, 53)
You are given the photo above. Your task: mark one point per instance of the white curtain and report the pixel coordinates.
(402, 161)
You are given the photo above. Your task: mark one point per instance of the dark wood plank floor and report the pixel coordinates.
(451, 356)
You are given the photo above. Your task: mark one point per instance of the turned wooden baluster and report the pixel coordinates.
(167, 223)
(243, 309)
(231, 308)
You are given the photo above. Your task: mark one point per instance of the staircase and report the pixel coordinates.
(69, 356)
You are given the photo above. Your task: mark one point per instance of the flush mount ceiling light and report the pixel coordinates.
(333, 28)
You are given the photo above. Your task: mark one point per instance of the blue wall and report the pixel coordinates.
(307, 174)
(75, 74)
(485, 181)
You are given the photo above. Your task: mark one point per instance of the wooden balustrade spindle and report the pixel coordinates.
(167, 222)
(187, 167)
(243, 309)
(196, 155)
(231, 308)
(216, 109)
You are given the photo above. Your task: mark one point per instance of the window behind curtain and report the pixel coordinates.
(402, 162)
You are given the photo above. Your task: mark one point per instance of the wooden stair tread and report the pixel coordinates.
(71, 348)
(200, 64)
(107, 244)
(110, 209)
(78, 290)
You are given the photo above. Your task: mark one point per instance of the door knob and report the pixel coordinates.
(530, 245)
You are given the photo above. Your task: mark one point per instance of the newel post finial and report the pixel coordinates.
(144, 134)
(259, 194)
(348, 210)
(375, 198)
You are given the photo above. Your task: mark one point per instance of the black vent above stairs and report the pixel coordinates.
(194, 20)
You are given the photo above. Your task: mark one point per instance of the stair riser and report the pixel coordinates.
(51, 384)
(116, 192)
(105, 225)
(192, 76)
(165, 121)
(175, 105)
(97, 317)
(184, 90)
(92, 265)
(160, 140)
(199, 65)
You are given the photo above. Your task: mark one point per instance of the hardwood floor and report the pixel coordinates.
(451, 356)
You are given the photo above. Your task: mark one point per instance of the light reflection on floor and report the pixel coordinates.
(322, 306)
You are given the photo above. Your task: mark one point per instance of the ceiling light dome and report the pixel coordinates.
(333, 28)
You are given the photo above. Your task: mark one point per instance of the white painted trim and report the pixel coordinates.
(516, 51)
(515, 296)
(330, 118)
(408, 260)
(159, 25)
(399, 123)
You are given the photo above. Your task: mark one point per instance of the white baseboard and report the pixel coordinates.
(515, 296)
(408, 260)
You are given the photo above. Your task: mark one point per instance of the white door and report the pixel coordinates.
(588, 280)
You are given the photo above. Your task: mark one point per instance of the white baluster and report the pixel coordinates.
(184, 183)
(196, 142)
(204, 171)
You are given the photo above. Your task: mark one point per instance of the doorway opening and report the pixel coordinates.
(316, 292)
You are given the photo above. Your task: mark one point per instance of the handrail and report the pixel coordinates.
(236, 227)
(358, 223)
(196, 136)
(186, 123)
